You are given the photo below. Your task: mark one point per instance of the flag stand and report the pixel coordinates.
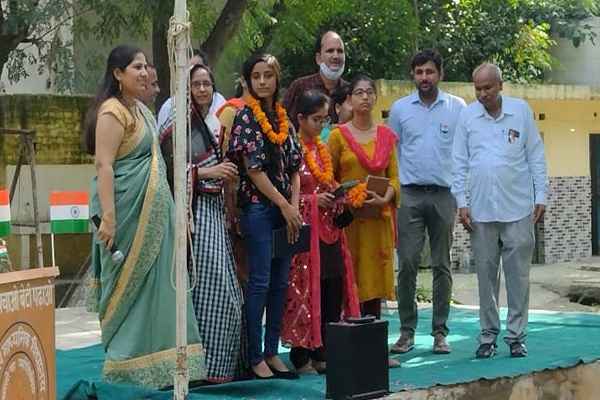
(27, 155)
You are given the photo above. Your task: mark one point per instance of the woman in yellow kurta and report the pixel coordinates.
(361, 148)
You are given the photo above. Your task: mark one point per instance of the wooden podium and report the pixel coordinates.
(27, 352)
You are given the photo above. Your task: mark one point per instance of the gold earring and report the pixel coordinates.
(120, 87)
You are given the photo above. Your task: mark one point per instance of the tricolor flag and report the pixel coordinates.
(69, 212)
(4, 213)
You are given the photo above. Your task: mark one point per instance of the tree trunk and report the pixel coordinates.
(4, 52)
(224, 29)
(160, 54)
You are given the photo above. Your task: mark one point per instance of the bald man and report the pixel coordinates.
(497, 145)
(330, 56)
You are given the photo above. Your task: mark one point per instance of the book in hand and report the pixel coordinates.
(379, 185)
(282, 248)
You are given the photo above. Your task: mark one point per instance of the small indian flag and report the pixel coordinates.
(69, 212)
(4, 213)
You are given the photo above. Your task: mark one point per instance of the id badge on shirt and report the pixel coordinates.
(444, 129)
(513, 135)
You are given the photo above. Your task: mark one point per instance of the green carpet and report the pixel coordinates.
(555, 340)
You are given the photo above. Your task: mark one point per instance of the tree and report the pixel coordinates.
(214, 25)
(516, 34)
(32, 25)
(38, 22)
(378, 34)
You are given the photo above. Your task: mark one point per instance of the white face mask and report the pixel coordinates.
(330, 74)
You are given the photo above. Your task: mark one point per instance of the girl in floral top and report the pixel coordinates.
(268, 157)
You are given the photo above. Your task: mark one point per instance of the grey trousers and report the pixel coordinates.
(513, 242)
(436, 212)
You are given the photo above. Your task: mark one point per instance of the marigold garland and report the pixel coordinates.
(357, 195)
(324, 176)
(266, 127)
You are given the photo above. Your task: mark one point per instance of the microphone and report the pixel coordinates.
(117, 255)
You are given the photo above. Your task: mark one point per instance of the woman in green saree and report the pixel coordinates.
(135, 299)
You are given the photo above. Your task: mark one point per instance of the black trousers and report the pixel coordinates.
(332, 292)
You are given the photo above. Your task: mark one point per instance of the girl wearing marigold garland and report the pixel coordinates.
(321, 280)
(268, 158)
(361, 148)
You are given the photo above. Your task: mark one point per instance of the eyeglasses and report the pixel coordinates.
(199, 85)
(321, 121)
(361, 92)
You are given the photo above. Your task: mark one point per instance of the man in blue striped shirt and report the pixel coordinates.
(497, 144)
(425, 122)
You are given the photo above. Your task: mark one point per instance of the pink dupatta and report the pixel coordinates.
(385, 141)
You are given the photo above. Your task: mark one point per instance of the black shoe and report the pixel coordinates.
(518, 350)
(486, 350)
(257, 376)
(283, 374)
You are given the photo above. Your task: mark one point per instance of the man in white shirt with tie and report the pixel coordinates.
(497, 144)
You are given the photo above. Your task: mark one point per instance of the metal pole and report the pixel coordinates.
(180, 186)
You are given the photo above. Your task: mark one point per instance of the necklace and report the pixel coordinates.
(325, 175)
(266, 127)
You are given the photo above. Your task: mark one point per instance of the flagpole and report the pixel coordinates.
(181, 378)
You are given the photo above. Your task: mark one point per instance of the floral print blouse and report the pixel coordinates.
(279, 162)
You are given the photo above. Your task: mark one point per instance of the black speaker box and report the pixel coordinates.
(357, 360)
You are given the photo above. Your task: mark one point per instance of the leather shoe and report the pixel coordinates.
(486, 350)
(440, 346)
(405, 344)
(518, 350)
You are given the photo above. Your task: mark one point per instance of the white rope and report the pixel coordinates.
(175, 30)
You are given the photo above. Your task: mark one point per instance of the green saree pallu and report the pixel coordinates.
(136, 299)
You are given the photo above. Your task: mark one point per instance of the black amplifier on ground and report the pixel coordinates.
(357, 359)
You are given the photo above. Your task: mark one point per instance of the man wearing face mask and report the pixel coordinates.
(330, 56)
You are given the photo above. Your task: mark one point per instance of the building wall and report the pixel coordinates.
(566, 115)
(61, 165)
(576, 65)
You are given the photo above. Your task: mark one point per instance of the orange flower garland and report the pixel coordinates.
(357, 195)
(324, 176)
(275, 137)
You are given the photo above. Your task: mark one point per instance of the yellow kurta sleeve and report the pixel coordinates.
(226, 118)
(392, 173)
(335, 149)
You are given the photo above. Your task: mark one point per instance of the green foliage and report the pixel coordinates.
(379, 36)
(30, 33)
(513, 33)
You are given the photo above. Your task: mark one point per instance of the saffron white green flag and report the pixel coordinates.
(4, 213)
(69, 212)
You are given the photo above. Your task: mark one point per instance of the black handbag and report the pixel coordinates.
(343, 219)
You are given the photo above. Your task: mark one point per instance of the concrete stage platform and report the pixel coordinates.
(563, 363)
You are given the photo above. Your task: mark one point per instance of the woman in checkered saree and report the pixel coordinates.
(217, 295)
